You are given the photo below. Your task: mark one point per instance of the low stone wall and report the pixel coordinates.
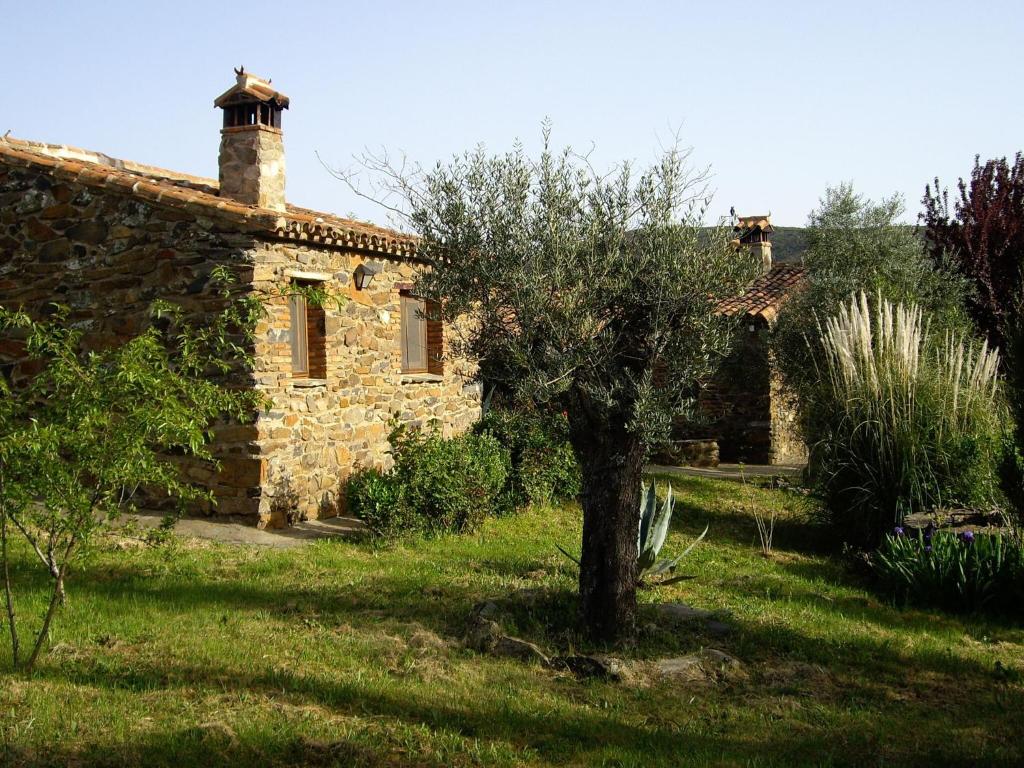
(689, 453)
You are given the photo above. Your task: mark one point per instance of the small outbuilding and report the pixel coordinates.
(748, 416)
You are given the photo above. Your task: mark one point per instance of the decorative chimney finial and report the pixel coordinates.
(240, 71)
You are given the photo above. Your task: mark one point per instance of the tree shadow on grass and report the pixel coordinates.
(945, 692)
(588, 734)
(546, 611)
(584, 732)
(211, 744)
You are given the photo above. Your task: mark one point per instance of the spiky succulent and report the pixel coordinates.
(654, 525)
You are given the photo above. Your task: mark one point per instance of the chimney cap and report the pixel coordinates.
(250, 88)
(762, 222)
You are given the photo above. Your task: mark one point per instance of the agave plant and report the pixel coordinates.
(654, 525)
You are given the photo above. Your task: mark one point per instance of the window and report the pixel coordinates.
(422, 336)
(308, 336)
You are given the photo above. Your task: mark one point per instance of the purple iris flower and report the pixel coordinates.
(928, 548)
(967, 537)
(928, 533)
(898, 530)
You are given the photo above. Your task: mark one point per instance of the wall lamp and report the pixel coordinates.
(364, 275)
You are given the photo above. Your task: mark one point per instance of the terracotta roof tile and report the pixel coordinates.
(750, 222)
(766, 295)
(247, 84)
(199, 195)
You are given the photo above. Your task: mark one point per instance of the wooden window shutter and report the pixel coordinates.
(435, 339)
(414, 334)
(300, 355)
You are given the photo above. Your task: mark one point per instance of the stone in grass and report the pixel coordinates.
(514, 648)
(708, 667)
(597, 666)
(485, 609)
(681, 612)
(482, 634)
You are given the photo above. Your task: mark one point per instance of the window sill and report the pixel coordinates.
(421, 378)
(308, 383)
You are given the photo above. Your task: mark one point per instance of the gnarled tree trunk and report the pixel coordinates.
(611, 460)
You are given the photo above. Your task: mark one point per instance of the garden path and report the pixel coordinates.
(738, 472)
(240, 531)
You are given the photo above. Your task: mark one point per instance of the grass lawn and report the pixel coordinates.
(346, 654)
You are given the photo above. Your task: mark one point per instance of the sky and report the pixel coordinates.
(779, 99)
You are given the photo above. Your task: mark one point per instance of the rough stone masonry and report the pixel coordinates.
(107, 237)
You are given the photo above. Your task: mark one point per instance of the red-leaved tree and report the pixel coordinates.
(983, 234)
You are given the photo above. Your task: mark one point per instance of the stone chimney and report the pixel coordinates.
(251, 143)
(755, 234)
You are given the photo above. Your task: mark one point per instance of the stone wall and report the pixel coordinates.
(787, 443)
(108, 256)
(319, 430)
(747, 410)
(737, 402)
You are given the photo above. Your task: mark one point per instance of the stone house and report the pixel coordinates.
(106, 237)
(748, 415)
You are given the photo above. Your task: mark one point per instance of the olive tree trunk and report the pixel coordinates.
(611, 460)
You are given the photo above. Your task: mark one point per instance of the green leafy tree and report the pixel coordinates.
(82, 431)
(857, 245)
(596, 293)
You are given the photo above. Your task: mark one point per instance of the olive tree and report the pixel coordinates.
(597, 294)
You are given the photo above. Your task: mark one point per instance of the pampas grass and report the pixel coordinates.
(900, 422)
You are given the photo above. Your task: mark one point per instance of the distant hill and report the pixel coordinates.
(789, 244)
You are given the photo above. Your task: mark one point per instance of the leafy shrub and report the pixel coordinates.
(83, 430)
(378, 500)
(965, 572)
(451, 484)
(1011, 475)
(899, 423)
(544, 467)
(437, 484)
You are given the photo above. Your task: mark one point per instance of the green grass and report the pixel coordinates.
(346, 654)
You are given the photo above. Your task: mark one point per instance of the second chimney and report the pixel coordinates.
(251, 143)
(755, 234)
